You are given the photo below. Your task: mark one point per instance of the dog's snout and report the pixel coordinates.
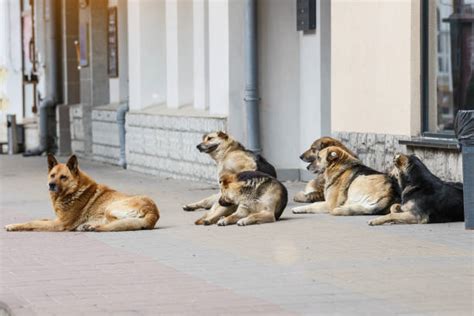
(52, 186)
(302, 156)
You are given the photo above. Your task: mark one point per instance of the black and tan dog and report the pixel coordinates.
(351, 188)
(230, 157)
(314, 190)
(425, 197)
(259, 198)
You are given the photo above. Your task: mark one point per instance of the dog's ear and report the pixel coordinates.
(333, 155)
(51, 161)
(225, 179)
(222, 135)
(72, 164)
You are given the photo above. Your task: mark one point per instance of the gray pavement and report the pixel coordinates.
(303, 264)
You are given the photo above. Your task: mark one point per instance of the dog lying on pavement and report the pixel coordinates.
(314, 190)
(259, 198)
(425, 197)
(230, 157)
(81, 204)
(351, 188)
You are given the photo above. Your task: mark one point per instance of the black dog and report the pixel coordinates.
(425, 197)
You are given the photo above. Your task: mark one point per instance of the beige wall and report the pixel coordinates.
(375, 66)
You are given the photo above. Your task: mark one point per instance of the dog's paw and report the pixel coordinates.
(372, 222)
(199, 222)
(242, 222)
(88, 228)
(188, 208)
(222, 222)
(10, 228)
(207, 222)
(300, 197)
(299, 210)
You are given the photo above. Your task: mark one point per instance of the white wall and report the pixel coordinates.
(147, 53)
(315, 64)
(219, 57)
(375, 66)
(10, 63)
(279, 82)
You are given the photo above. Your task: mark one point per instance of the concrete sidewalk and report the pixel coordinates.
(303, 264)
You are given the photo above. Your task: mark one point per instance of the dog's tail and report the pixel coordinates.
(283, 202)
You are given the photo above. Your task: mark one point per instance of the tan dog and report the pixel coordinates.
(259, 198)
(314, 190)
(230, 157)
(83, 205)
(351, 188)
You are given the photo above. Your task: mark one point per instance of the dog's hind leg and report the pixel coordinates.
(130, 223)
(206, 203)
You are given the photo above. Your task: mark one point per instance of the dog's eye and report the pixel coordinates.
(52, 175)
(210, 138)
(63, 178)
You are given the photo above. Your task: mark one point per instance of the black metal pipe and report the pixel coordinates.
(251, 77)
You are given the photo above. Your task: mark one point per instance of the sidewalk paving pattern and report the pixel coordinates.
(303, 264)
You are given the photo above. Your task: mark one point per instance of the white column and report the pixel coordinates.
(179, 56)
(219, 57)
(134, 55)
(146, 53)
(201, 54)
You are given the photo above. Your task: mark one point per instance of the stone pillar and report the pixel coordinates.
(71, 83)
(179, 59)
(146, 53)
(94, 77)
(201, 54)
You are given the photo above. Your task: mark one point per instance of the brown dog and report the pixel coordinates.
(351, 188)
(314, 190)
(83, 205)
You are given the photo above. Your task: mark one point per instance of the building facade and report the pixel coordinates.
(384, 76)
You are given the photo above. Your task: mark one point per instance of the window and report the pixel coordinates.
(447, 63)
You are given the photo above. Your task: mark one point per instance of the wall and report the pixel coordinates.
(279, 82)
(315, 80)
(10, 63)
(375, 66)
(147, 53)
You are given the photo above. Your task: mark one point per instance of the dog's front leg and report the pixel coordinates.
(46, 225)
(241, 212)
(216, 212)
(206, 203)
(315, 208)
(399, 214)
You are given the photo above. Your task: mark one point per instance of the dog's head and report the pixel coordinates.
(62, 178)
(230, 188)
(311, 154)
(408, 169)
(327, 158)
(213, 142)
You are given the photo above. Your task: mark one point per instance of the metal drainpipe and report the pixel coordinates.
(251, 76)
(52, 86)
(121, 112)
